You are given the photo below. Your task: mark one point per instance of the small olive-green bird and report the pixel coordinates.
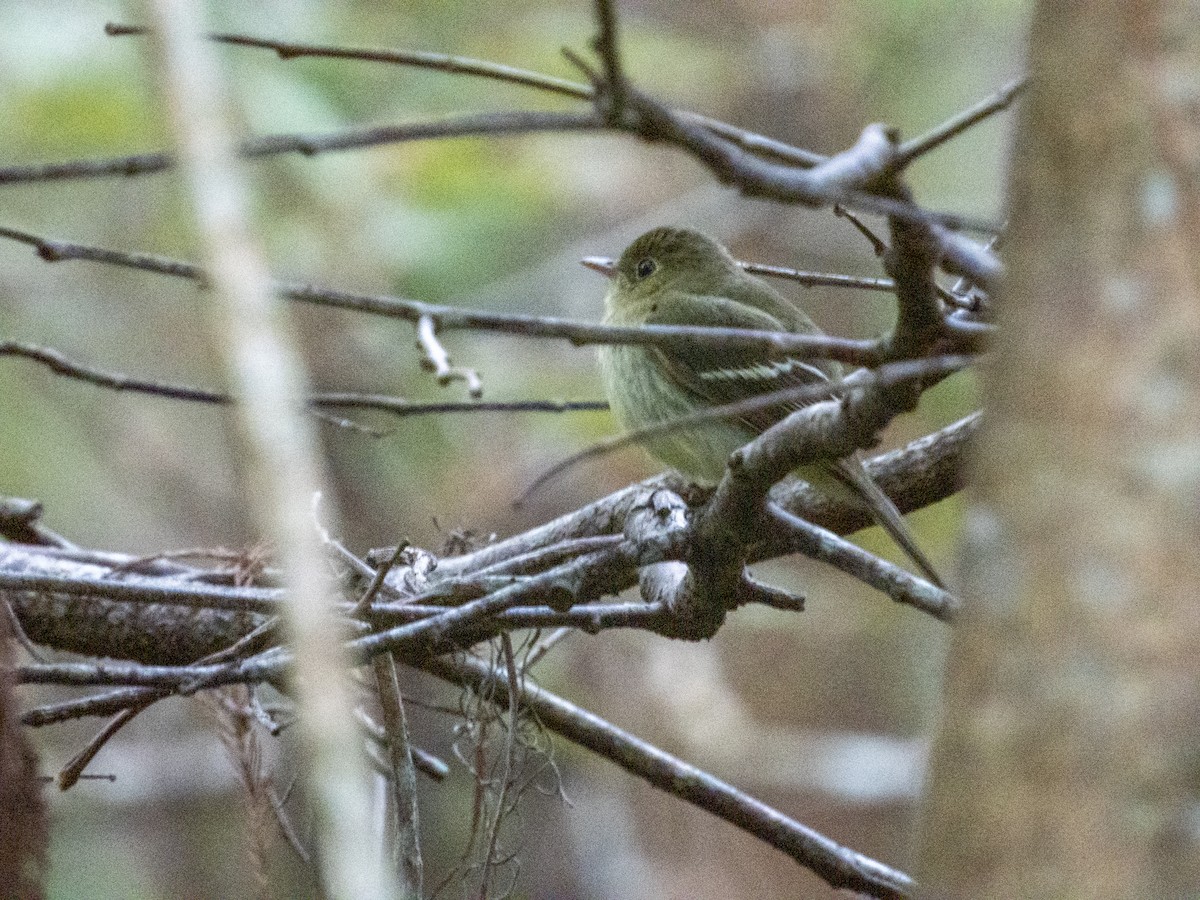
(672, 276)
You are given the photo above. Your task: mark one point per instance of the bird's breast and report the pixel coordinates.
(641, 394)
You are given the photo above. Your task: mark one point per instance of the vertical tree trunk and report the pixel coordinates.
(24, 832)
(1068, 763)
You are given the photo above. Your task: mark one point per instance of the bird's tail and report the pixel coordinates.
(851, 473)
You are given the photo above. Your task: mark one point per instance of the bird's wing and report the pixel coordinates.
(719, 375)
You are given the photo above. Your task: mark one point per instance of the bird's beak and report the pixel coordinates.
(602, 264)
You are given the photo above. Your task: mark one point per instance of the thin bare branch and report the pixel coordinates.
(58, 363)
(286, 828)
(126, 699)
(878, 245)
(17, 631)
(424, 761)
(544, 646)
(442, 62)
(469, 125)
(106, 704)
(608, 48)
(398, 406)
(808, 279)
(460, 65)
(956, 125)
(846, 350)
(819, 279)
(840, 866)
(143, 590)
(817, 543)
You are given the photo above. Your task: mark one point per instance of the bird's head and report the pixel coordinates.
(666, 259)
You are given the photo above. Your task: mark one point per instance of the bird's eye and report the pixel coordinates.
(646, 267)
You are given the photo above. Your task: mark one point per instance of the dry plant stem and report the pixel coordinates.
(406, 847)
(510, 737)
(281, 470)
(840, 866)
(286, 828)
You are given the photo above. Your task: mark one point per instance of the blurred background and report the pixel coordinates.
(825, 715)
